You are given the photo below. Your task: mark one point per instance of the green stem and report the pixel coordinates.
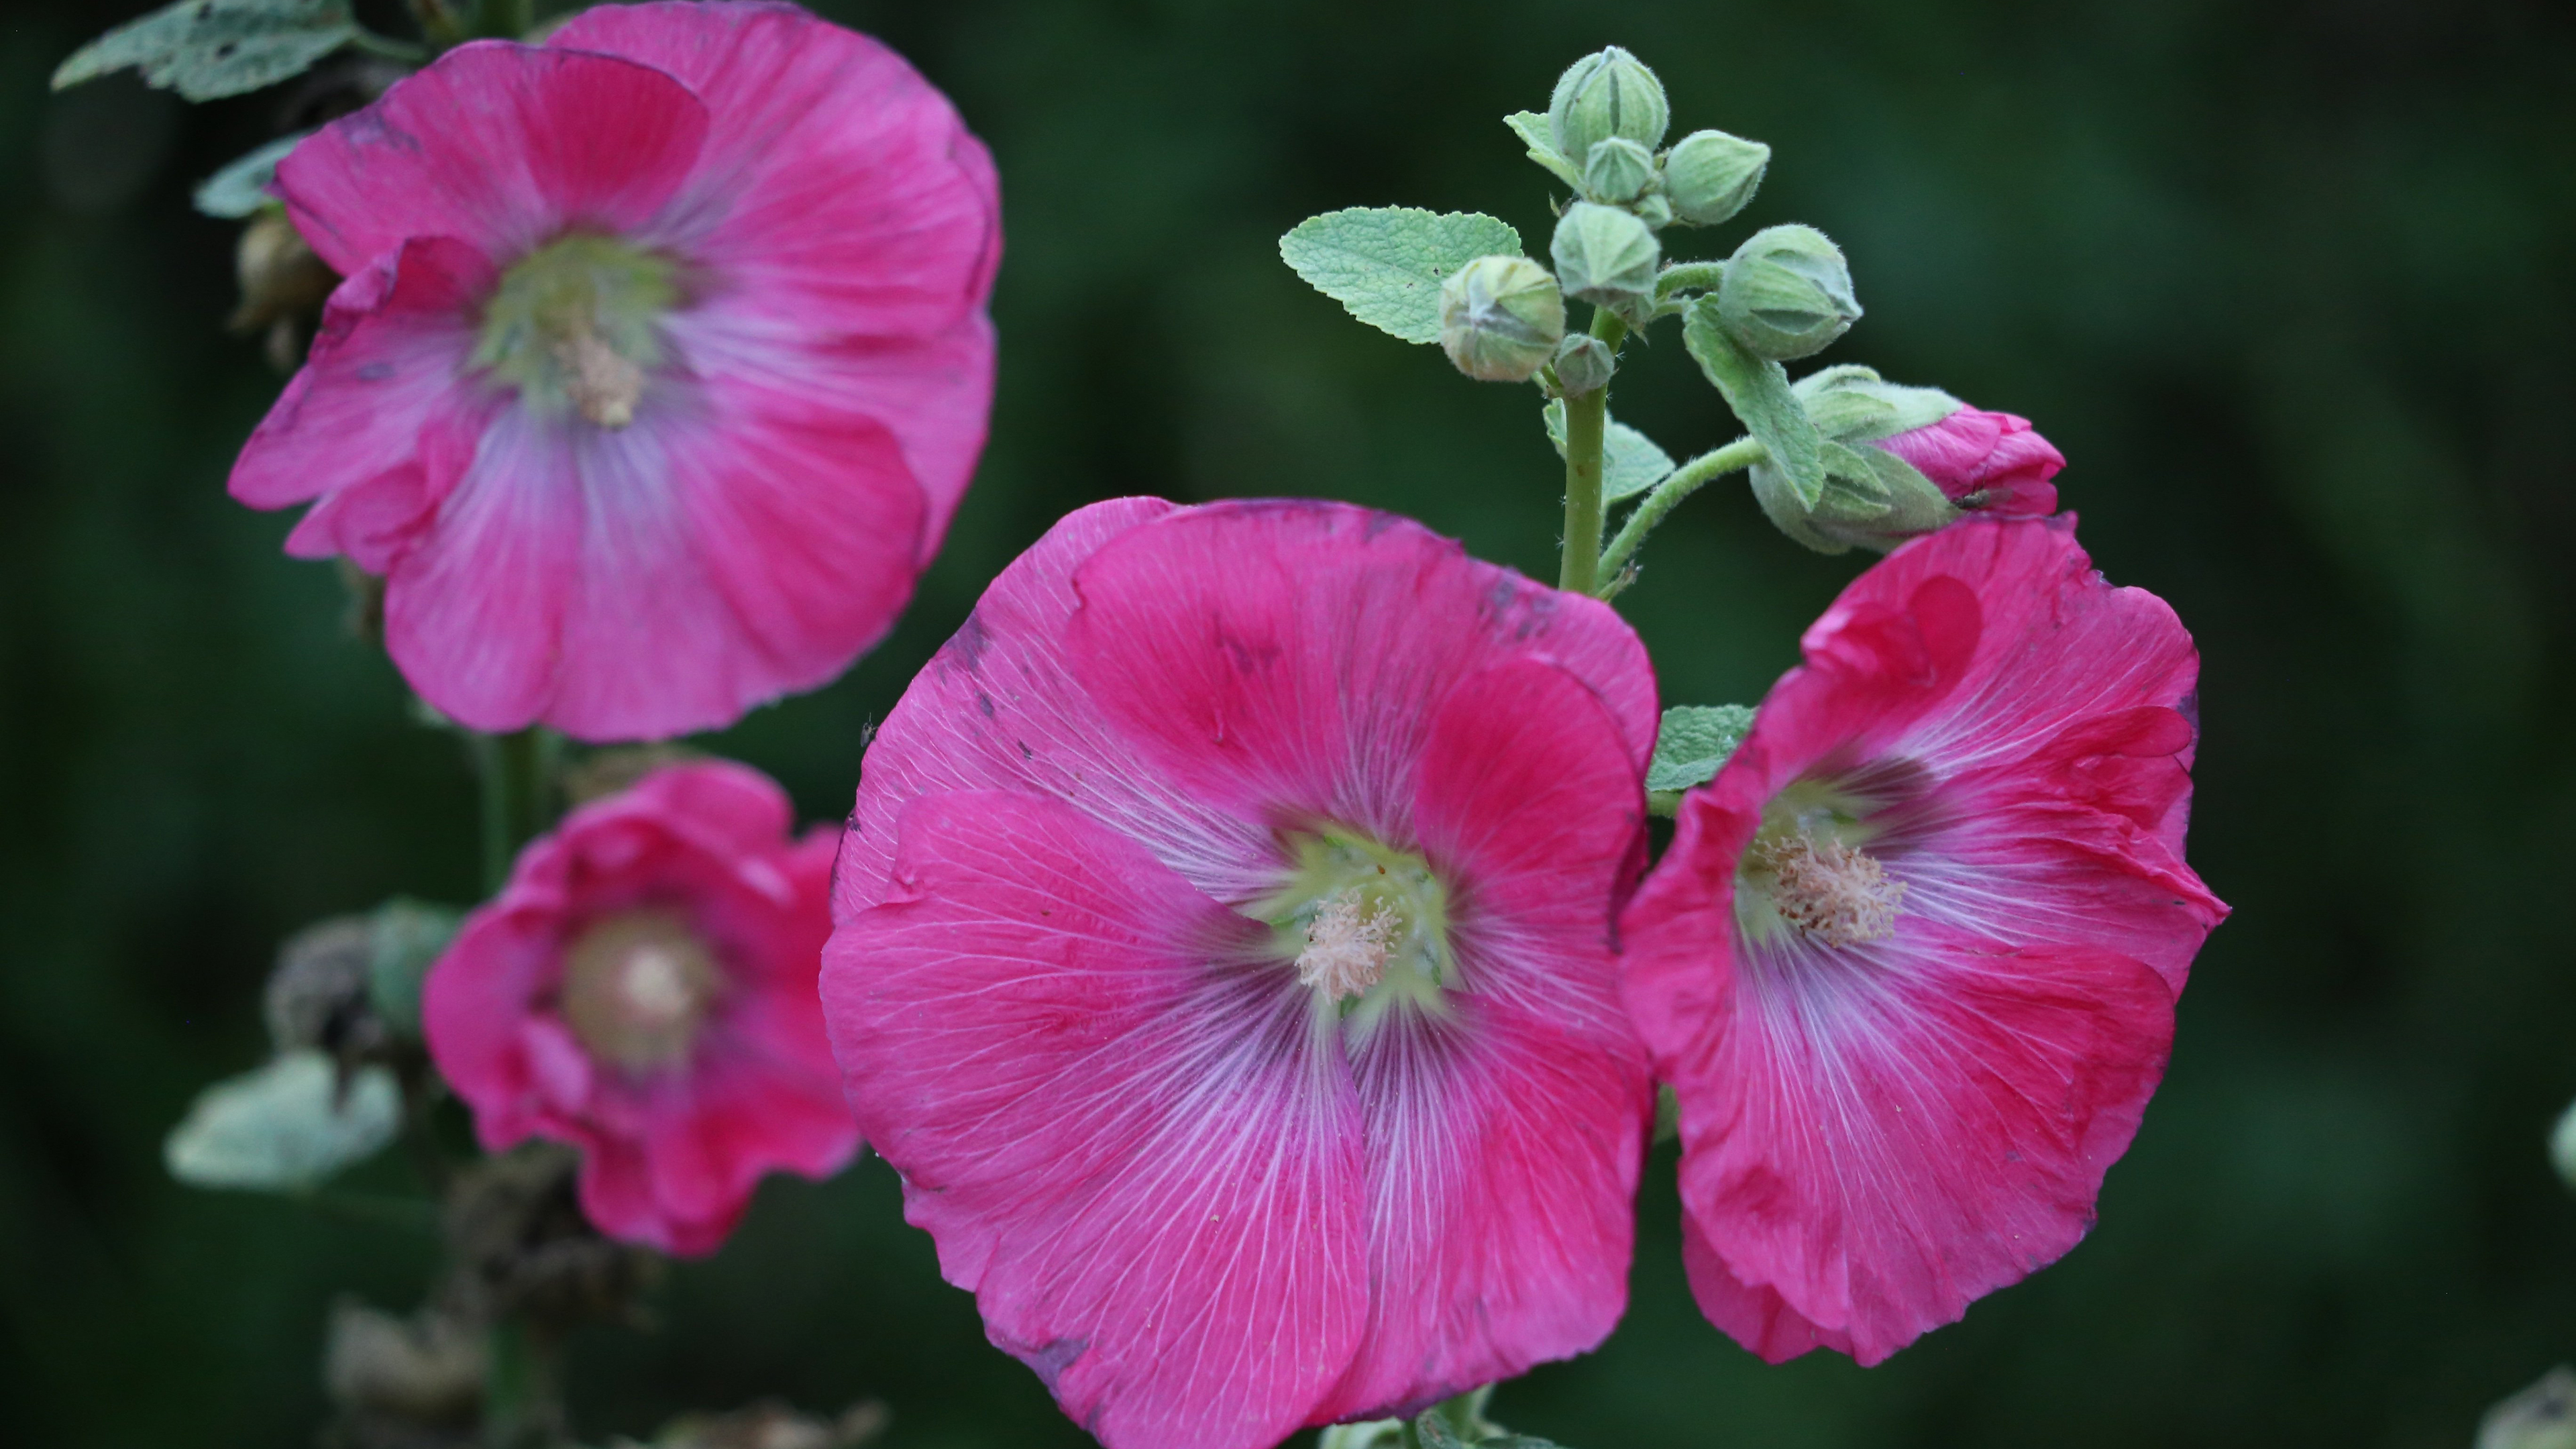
(516, 796)
(389, 48)
(1682, 483)
(1586, 421)
(523, 1387)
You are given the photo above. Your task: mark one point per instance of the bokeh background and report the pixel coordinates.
(2290, 283)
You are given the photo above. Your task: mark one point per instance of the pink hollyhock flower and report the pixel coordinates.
(1911, 960)
(643, 989)
(1984, 462)
(1223, 958)
(661, 363)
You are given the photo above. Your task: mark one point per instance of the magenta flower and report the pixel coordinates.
(661, 363)
(643, 989)
(1224, 961)
(1984, 462)
(1910, 963)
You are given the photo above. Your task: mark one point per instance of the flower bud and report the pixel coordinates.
(1617, 171)
(2540, 1417)
(1710, 175)
(1583, 364)
(1653, 210)
(283, 285)
(2562, 1147)
(1786, 293)
(1604, 255)
(1501, 318)
(1604, 95)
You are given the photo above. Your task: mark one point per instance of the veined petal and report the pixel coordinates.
(1126, 1133)
(499, 144)
(1202, 639)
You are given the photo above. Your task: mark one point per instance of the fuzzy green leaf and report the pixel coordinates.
(284, 1127)
(1630, 461)
(1759, 393)
(205, 49)
(242, 188)
(1693, 742)
(1531, 127)
(1386, 263)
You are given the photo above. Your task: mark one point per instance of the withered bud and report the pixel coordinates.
(283, 285)
(521, 1246)
(427, 1368)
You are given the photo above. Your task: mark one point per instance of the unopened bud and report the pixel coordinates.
(1653, 210)
(1501, 318)
(1604, 255)
(1603, 95)
(283, 285)
(1710, 175)
(1786, 293)
(1617, 171)
(427, 1369)
(2540, 1417)
(1583, 364)
(2562, 1148)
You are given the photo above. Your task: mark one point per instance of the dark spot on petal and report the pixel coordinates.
(375, 372)
(984, 702)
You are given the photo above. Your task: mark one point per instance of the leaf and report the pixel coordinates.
(1759, 393)
(209, 48)
(1435, 1431)
(242, 188)
(1693, 742)
(1386, 263)
(284, 1127)
(1532, 128)
(1630, 461)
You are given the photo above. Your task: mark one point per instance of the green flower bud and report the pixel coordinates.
(1583, 364)
(2540, 1417)
(1710, 175)
(1786, 293)
(2562, 1138)
(1654, 211)
(1604, 95)
(1501, 318)
(1604, 255)
(1618, 171)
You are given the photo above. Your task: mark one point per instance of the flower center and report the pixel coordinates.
(1807, 871)
(1366, 926)
(575, 327)
(636, 987)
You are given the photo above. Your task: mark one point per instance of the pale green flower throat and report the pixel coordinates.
(1367, 926)
(575, 326)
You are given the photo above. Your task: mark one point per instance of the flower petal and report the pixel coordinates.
(380, 392)
(1504, 1140)
(1126, 1135)
(499, 144)
(1290, 654)
(644, 582)
(838, 191)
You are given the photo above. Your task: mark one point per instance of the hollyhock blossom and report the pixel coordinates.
(661, 363)
(1984, 462)
(1910, 963)
(1223, 958)
(643, 989)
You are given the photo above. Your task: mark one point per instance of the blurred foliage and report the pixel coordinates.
(2289, 282)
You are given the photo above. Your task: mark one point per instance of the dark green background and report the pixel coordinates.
(2289, 284)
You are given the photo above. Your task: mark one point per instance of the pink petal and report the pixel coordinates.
(1126, 1135)
(644, 582)
(1973, 451)
(499, 145)
(999, 708)
(838, 191)
(1285, 654)
(381, 390)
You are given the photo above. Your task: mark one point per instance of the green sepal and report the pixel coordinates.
(1693, 743)
(1872, 498)
(241, 189)
(1531, 127)
(1386, 263)
(1630, 461)
(206, 49)
(286, 1127)
(1759, 393)
(1853, 404)
(1853, 492)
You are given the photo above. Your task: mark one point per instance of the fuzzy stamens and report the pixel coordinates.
(1347, 946)
(1833, 892)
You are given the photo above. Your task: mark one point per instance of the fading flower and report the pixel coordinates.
(661, 363)
(643, 989)
(1910, 963)
(1224, 960)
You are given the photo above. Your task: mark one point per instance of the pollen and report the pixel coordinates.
(1835, 893)
(603, 385)
(1347, 946)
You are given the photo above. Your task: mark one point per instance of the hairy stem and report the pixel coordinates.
(517, 794)
(1683, 482)
(1688, 277)
(1586, 420)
